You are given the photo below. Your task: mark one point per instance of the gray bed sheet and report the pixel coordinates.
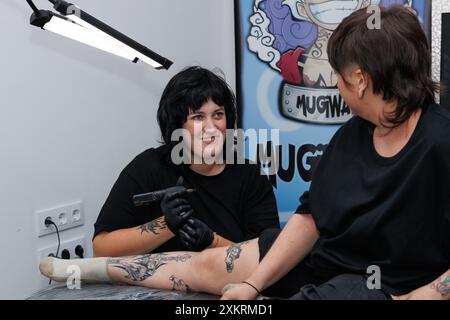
(114, 292)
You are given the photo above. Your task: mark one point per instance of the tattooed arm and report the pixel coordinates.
(437, 290)
(132, 241)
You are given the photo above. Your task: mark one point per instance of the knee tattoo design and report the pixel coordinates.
(233, 253)
(140, 268)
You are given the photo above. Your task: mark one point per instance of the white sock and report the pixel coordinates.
(91, 269)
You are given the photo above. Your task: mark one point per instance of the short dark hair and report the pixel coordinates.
(397, 58)
(189, 90)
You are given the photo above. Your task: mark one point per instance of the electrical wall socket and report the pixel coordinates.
(65, 217)
(69, 245)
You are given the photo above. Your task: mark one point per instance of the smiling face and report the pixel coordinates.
(327, 13)
(205, 130)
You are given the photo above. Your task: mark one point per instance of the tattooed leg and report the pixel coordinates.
(131, 270)
(207, 271)
(220, 266)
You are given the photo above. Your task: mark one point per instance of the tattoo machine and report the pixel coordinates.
(151, 197)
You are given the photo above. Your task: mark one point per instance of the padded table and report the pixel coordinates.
(114, 292)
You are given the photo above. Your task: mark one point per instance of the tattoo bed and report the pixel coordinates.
(113, 292)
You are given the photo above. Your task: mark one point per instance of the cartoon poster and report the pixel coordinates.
(285, 82)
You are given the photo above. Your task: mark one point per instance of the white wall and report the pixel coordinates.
(71, 117)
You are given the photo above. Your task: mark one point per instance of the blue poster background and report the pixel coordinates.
(261, 95)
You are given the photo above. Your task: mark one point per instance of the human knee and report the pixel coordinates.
(205, 262)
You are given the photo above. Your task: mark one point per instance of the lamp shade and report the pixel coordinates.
(86, 29)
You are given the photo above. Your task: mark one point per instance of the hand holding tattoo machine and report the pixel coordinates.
(175, 208)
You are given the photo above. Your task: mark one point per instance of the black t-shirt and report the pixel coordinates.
(238, 203)
(390, 212)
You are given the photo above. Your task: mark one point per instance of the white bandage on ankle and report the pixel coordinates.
(93, 270)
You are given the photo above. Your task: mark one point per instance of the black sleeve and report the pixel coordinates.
(118, 211)
(260, 207)
(304, 207)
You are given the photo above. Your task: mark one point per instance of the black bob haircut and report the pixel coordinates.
(189, 90)
(397, 57)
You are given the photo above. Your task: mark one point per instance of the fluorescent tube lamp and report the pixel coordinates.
(78, 25)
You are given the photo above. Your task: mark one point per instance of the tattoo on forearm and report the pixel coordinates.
(139, 268)
(443, 286)
(153, 226)
(179, 285)
(233, 253)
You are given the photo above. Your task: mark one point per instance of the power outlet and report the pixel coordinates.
(69, 245)
(65, 217)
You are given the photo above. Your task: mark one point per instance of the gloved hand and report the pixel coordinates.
(176, 209)
(195, 235)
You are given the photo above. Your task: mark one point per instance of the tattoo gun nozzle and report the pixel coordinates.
(152, 197)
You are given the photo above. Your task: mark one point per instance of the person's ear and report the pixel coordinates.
(362, 83)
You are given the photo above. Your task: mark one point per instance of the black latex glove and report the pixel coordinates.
(176, 209)
(195, 235)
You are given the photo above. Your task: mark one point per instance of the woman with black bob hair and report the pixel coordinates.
(231, 203)
(375, 223)
(189, 91)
